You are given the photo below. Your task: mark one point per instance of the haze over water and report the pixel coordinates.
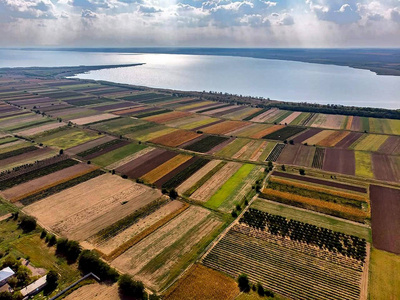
(275, 79)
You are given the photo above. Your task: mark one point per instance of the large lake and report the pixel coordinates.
(275, 79)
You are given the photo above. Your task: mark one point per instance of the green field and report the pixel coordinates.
(118, 154)
(67, 138)
(384, 276)
(363, 164)
(267, 151)
(226, 194)
(232, 148)
(313, 218)
(370, 142)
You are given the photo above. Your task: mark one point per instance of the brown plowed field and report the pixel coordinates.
(36, 130)
(391, 146)
(306, 135)
(130, 165)
(129, 158)
(25, 156)
(163, 118)
(228, 111)
(297, 154)
(349, 140)
(220, 146)
(83, 210)
(339, 161)
(174, 172)
(267, 131)
(339, 185)
(176, 138)
(385, 167)
(349, 122)
(385, 213)
(356, 124)
(208, 124)
(129, 111)
(95, 291)
(22, 190)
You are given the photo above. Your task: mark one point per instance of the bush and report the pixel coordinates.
(260, 289)
(90, 262)
(234, 213)
(243, 283)
(173, 194)
(69, 249)
(6, 296)
(52, 240)
(283, 168)
(302, 172)
(52, 279)
(124, 176)
(130, 288)
(269, 293)
(27, 224)
(43, 234)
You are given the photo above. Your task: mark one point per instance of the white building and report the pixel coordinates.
(5, 275)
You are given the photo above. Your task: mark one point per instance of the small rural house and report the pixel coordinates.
(35, 287)
(5, 275)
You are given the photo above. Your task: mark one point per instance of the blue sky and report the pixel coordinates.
(213, 23)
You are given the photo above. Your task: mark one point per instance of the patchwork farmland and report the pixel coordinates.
(149, 180)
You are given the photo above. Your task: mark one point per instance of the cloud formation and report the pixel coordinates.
(249, 23)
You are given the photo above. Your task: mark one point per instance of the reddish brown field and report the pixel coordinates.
(176, 138)
(306, 135)
(28, 155)
(385, 168)
(356, 124)
(391, 146)
(385, 212)
(90, 144)
(339, 161)
(146, 163)
(220, 146)
(348, 140)
(225, 126)
(333, 139)
(129, 110)
(207, 125)
(163, 118)
(297, 154)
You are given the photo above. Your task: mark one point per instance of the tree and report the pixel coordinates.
(291, 142)
(27, 224)
(52, 279)
(23, 275)
(243, 283)
(238, 208)
(234, 214)
(173, 194)
(90, 262)
(270, 164)
(130, 288)
(52, 240)
(260, 289)
(6, 296)
(43, 234)
(302, 172)
(61, 151)
(283, 168)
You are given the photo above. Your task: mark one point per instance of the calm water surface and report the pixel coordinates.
(282, 80)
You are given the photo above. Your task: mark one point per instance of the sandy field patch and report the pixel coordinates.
(188, 183)
(36, 130)
(17, 142)
(109, 245)
(23, 190)
(315, 139)
(291, 117)
(329, 121)
(95, 118)
(215, 182)
(83, 210)
(95, 291)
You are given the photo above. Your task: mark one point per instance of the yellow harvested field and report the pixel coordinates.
(333, 139)
(155, 134)
(204, 192)
(108, 246)
(370, 142)
(314, 140)
(95, 118)
(36, 130)
(192, 180)
(291, 117)
(95, 291)
(202, 283)
(81, 211)
(165, 168)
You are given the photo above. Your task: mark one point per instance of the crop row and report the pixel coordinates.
(212, 108)
(285, 271)
(206, 144)
(308, 119)
(261, 111)
(273, 156)
(85, 154)
(60, 187)
(185, 174)
(329, 208)
(345, 244)
(42, 171)
(318, 158)
(19, 170)
(17, 152)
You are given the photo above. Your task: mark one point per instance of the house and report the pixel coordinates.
(35, 287)
(5, 275)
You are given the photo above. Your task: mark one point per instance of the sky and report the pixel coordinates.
(194, 23)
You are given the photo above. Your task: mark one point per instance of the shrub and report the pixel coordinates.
(130, 288)
(27, 224)
(260, 289)
(125, 176)
(6, 296)
(302, 172)
(52, 279)
(69, 249)
(234, 213)
(243, 283)
(173, 194)
(90, 262)
(269, 293)
(238, 208)
(283, 168)
(52, 240)
(43, 234)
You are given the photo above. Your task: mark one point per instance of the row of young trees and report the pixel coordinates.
(345, 244)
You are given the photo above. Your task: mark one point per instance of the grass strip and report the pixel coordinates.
(17, 152)
(38, 173)
(204, 179)
(63, 186)
(7, 140)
